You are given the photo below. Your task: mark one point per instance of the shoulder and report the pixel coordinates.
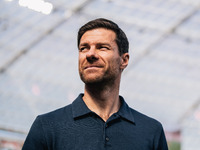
(148, 126)
(145, 121)
(139, 119)
(63, 113)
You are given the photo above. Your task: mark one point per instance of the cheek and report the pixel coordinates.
(80, 64)
(115, 63)
(80, 59)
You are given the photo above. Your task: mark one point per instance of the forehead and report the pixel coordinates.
(101, 34)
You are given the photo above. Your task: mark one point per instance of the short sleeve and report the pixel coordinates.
(162, 142)
(35, 139)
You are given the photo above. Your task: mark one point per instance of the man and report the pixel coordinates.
(98, 119)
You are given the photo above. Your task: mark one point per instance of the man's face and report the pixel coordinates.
(99, 59)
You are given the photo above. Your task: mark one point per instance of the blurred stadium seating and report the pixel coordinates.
(38, 61)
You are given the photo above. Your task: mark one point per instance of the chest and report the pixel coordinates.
(94, 134)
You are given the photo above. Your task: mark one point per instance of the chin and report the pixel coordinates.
(91, 77)
(97, 78)
(91, 80)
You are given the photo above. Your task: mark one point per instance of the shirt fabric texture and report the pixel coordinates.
(76, 127)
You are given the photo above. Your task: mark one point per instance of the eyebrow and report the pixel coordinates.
(83, 44)
(100, 43)
(103, 44)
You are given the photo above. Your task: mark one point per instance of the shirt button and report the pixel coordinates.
(115, 115)
(107, 139)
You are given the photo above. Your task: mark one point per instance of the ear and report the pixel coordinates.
(124, 61)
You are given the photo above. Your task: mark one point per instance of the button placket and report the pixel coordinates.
(106, 126)
(106, 137)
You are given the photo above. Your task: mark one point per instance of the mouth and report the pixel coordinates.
(92, 67)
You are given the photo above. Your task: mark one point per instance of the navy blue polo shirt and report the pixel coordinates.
(75, 127)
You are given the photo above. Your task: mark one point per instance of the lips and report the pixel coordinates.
(92, 66)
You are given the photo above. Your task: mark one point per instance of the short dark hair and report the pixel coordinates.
(121, 39)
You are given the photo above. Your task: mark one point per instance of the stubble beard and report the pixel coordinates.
(107, 77)
(98, 79)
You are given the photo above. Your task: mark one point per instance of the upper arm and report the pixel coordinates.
(160, 140)
(35, 139)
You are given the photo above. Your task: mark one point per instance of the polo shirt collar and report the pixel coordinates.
(125, 111)
(79, 108)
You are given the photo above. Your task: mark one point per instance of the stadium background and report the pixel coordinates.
(38, 62)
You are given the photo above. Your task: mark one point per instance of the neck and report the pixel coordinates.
(102, 99)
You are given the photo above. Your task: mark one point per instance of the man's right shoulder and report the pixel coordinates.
(60, 114)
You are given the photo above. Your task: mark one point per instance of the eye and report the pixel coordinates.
(103, 47)
(82, 48)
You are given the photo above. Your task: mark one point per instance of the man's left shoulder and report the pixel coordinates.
(144, 120)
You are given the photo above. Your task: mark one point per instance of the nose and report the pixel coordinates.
(92, 55)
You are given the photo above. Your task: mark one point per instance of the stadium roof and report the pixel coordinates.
(38, 57)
